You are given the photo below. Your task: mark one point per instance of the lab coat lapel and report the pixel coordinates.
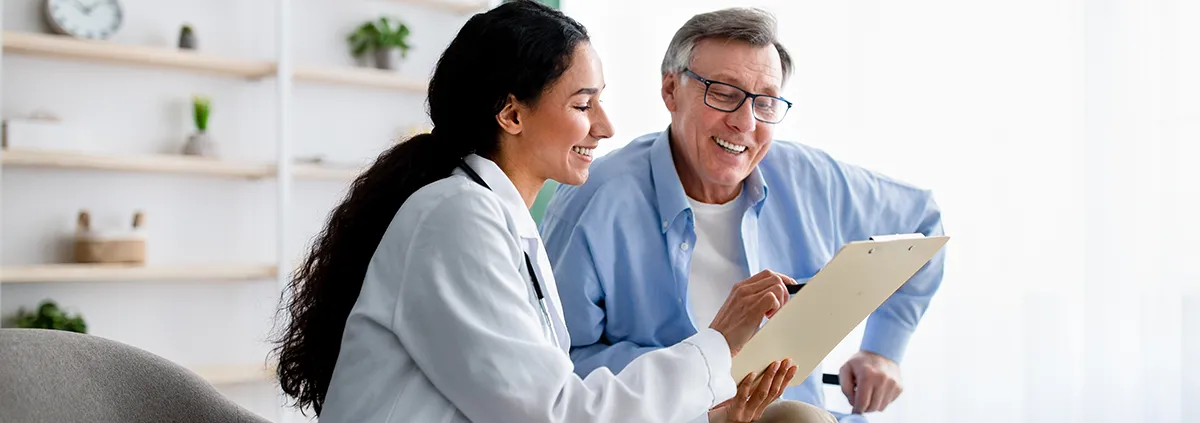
(531, 242)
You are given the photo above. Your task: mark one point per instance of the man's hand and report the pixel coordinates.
(748, 302)
(870, 381)
(753, 398)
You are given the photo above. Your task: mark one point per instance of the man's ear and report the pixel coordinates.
(509, 117)
(670, 85)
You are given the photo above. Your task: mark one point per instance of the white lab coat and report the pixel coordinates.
(447, 328)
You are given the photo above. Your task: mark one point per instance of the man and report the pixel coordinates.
(656, 241)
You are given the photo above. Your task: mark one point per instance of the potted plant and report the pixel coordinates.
(187, 38)
(199, 143)
(386, 37)
(50, 316)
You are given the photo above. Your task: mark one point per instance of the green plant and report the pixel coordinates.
(200, 109)
(50, 316)
(381, 33)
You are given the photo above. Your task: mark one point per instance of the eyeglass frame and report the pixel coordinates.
(748, 95)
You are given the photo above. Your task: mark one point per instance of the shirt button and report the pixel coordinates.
(683, 246)
(664, 224)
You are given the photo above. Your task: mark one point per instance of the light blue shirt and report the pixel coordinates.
(620, 246)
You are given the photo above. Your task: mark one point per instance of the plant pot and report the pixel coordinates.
(387, 58)
(187, 40)
(200, 144)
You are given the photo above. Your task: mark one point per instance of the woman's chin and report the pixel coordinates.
(574, 177)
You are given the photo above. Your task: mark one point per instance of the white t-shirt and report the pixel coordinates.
(718, 258)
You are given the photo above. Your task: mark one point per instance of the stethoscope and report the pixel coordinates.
(537, 285)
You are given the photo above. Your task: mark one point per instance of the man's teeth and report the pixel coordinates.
(583, 151)
(730, 146)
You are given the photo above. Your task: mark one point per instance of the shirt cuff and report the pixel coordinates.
(715, 351)
(887, 337)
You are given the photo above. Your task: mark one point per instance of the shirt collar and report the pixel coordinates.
(672, 200)
(500, 184)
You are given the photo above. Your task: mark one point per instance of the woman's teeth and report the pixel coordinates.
(730, 147)
(583, 151)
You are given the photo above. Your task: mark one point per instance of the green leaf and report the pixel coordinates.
(50, 316)
(201, 107)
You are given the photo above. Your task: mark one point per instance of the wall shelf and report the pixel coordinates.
(60, 46)
(231, 374)
(72, 272)
(461, 7)
(151, 163)
(310, 171)
(359, 76)
(167, 163)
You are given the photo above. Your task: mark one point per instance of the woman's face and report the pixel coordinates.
(559, 133)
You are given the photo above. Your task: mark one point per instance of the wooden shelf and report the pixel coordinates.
(71, 272)
(360, 76)
(309, 171)
(59, 46)
(152, 163)
(235, 373)
(168, 163)
(454, 6)
(106, 51)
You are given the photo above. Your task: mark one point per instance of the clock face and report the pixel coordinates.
(92, 19)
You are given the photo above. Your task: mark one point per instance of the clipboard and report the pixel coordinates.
(859, 278)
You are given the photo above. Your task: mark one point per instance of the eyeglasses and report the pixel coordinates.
(728, 98)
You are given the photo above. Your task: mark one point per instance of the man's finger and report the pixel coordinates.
(887, 396)
(863, 395)
(895, 395)
(847, 378)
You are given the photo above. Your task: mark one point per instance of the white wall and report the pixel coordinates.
(1060, 139)
(196, 220)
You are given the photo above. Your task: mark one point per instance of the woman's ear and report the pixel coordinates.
(509, 117)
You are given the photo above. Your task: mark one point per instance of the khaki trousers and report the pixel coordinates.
(784, 411)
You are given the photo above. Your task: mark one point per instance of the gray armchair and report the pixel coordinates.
(58, 376)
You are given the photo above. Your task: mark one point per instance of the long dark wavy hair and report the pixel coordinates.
(518, 49)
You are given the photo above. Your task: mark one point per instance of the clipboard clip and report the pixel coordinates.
(894, 237)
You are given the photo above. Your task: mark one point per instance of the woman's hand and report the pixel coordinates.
(753, 397)
(749, 301)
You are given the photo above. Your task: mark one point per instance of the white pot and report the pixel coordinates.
(388, 58)
(200, 144)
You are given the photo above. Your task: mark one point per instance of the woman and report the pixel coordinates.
(428, 298)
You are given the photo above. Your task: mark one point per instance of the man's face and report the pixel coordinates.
(715, 150)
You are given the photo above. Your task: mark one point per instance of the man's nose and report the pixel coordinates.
(742, 119)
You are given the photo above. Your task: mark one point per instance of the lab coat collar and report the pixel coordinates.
(503, 187)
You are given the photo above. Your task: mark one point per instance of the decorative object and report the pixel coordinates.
(111, 246)
(50, 316)
(199, 143)
(386, 38)
(187, 38)
(44, 131)
(93, 20)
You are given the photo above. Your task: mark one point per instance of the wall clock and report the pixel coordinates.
(90, 19)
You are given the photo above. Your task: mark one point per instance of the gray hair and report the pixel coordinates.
(754, 26)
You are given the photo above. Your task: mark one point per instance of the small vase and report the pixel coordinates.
(200, 144)
(387, 58)
(187, 39)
